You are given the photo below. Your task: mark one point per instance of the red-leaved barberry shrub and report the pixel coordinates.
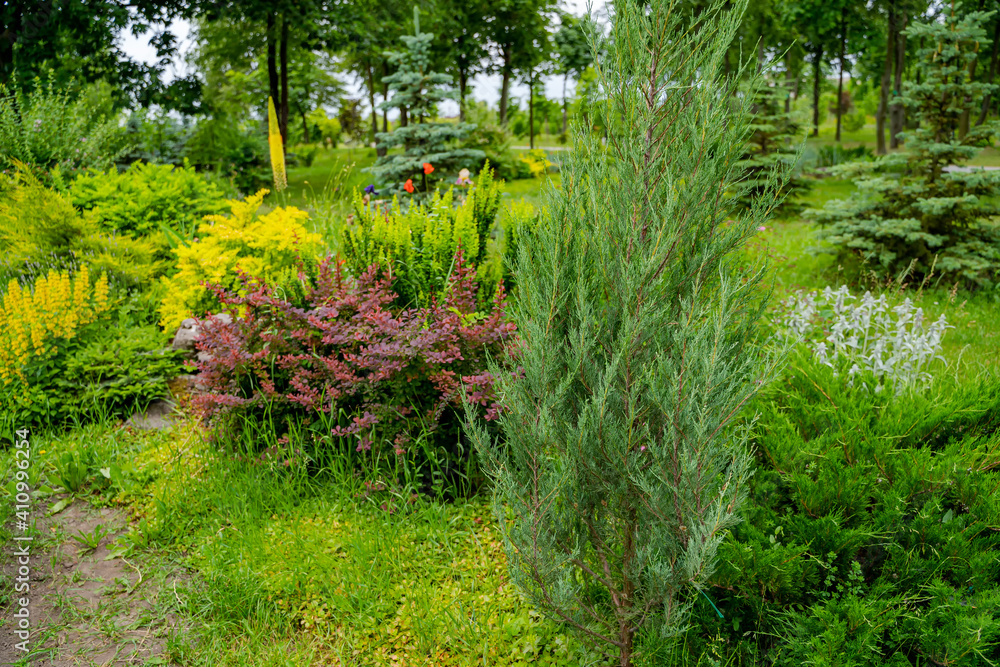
(346, 358)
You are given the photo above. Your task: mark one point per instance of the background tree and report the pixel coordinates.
(463, 43)
(419, 89)
(534, 60)
(772, 148)
(80, 40)
(937, 219)
(517, 28)
(572, 54)
(621, 464)
(370, 29)
(816, 24)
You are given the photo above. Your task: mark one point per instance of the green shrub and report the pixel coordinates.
(854, 121)
(417, 247)
(40, 230)
(870, 535)
(104, 372)
(118, 371)
(146, 198)
(46, 127)
(237, 152)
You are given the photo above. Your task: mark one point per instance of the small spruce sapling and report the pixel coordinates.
(914, 210)
(419, 89)
(774, 143)
(622, 460)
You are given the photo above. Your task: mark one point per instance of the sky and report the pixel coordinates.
(484, 87)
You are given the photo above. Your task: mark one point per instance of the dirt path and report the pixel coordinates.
(86, 606)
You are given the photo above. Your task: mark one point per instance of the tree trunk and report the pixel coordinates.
(817, 71)
(963, 119)
(897, 115)
(788, 84)
(565, 118)
(272, 62)
(404, 117)
(283, 57)
(305, 129)
(379, 149)
(463, 83)
(531, 110)
(840, 77)
(505, 87)
(988, 99)
(883, 101)
(385, 97)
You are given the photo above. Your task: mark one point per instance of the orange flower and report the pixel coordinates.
(408, 186)
(428, 168)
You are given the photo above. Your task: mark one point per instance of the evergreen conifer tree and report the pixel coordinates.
(419, 89)
(914, 210)
(622, 461)
(774, 142)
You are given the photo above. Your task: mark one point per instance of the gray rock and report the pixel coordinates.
(189, 330)
(186, 335)
(158, 416)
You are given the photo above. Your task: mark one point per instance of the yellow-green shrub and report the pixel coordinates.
(268, 247)
(40, 231)
(417, 246)
(146, 197)
(538, 163)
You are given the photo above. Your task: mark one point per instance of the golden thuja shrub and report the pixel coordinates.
(34, 320)
(268, 247)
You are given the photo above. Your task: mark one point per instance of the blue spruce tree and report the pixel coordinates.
(424, 142)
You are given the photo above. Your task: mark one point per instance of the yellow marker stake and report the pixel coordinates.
(277, 148)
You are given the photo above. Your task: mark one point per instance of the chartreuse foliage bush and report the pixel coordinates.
(272, 247)
(368, 376)
(417, 248)
(622, 462)
(870, 535)
(147, 199)
(40, 230)
(912, 210)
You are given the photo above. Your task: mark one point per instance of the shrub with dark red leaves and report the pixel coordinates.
(373, 375)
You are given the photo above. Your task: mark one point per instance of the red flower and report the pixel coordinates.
(428, 168)
(408, 186)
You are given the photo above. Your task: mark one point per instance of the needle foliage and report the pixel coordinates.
(621, 461)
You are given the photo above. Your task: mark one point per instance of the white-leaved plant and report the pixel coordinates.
(892, 343)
